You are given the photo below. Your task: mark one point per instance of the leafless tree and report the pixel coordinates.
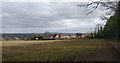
(108, 5)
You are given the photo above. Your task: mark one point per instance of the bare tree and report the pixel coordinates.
(110, 6)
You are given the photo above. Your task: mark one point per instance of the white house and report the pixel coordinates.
(72, 36)
(16, 38)
(83, 36)
(65, 37)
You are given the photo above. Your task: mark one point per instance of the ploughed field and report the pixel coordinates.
(61, 50)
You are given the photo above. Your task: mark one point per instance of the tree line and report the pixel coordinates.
(111, 30)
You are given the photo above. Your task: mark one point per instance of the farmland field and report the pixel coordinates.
(60, 50)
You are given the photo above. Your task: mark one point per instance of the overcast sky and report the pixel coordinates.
(28, 17)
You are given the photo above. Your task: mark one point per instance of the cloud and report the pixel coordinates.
(47, 0)
(46, 16)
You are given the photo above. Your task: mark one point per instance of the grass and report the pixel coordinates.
(56, 50)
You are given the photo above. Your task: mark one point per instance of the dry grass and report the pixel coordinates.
(21, 43)
(58, 50)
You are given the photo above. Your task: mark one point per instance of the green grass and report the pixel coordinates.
(63, 50)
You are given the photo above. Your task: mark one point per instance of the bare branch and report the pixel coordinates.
(94, 7)
(103, 17)
(111, 6)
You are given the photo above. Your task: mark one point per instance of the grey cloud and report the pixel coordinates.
(33, 17)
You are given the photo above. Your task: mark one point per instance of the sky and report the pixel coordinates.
(38, 17)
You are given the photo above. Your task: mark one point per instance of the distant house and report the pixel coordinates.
(50, 36)
(65, 37)
(55, 36)
(62, 36)
(7, 38)
(83, 36)
(37, 38)
(16, 38)
(25, 38)
(58, 36)
(72, 36)
(1, 38)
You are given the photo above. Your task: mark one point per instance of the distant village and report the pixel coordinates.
(44, 36)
